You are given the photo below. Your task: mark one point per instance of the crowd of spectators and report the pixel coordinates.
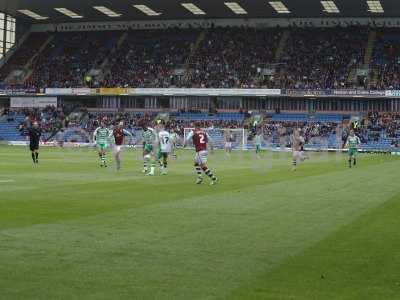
(230, 57)
(50, 119)
(388, 77)
(69, 57)
(385, 62)
(317, 58)
(233, 58)
(381, 125)
(152, 58)
(373, 127)
(309, 130)
(24, 53)
(135, 121)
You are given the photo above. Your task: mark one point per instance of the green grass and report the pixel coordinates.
(72, 230)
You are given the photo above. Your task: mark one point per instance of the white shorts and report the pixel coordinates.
(201, 157)
(118, 148)
(298, 155)
(166, 150)
(228, 145)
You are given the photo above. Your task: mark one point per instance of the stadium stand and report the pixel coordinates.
(73, 55)
(20, 59)
(210, 117)
(307, 118)
(9, 126)
(233, 57)
(308, 58)
(152, 58)
(385, 67)
(319, 58)
(229, 57)
(377, 131)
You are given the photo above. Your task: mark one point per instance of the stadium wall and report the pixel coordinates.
(209, 23)
(206, 103)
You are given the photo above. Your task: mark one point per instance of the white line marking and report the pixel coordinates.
(6, 180)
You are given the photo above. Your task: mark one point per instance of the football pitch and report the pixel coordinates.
(72, 230)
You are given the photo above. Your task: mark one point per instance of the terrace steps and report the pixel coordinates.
(282, 44)
(369, 50)
(14, 49)
(26, 69)
(194, 49)
(120, 42)
(106, 65)
(40, 50)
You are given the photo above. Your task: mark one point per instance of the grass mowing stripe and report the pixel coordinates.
(69, 201)
(358, 261)
(165, 238)
(188, 248)
(6, 180)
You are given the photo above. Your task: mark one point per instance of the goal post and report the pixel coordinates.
(218, 136)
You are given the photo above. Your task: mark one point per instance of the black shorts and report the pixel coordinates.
(34, 146)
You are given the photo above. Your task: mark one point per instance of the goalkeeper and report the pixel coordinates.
(258, 141)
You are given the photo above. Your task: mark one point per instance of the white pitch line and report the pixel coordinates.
(6, 180)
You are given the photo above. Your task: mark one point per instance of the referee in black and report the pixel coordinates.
(34, 133)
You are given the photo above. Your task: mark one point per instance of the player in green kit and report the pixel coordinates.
(352, 143)
(101, 135)
(149, 138)
(258, 141)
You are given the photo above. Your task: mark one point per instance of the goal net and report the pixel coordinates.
(220, 135)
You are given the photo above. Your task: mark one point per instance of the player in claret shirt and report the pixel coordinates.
(119, 134)
(200, 140)
(298, 142)
(229, 140)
